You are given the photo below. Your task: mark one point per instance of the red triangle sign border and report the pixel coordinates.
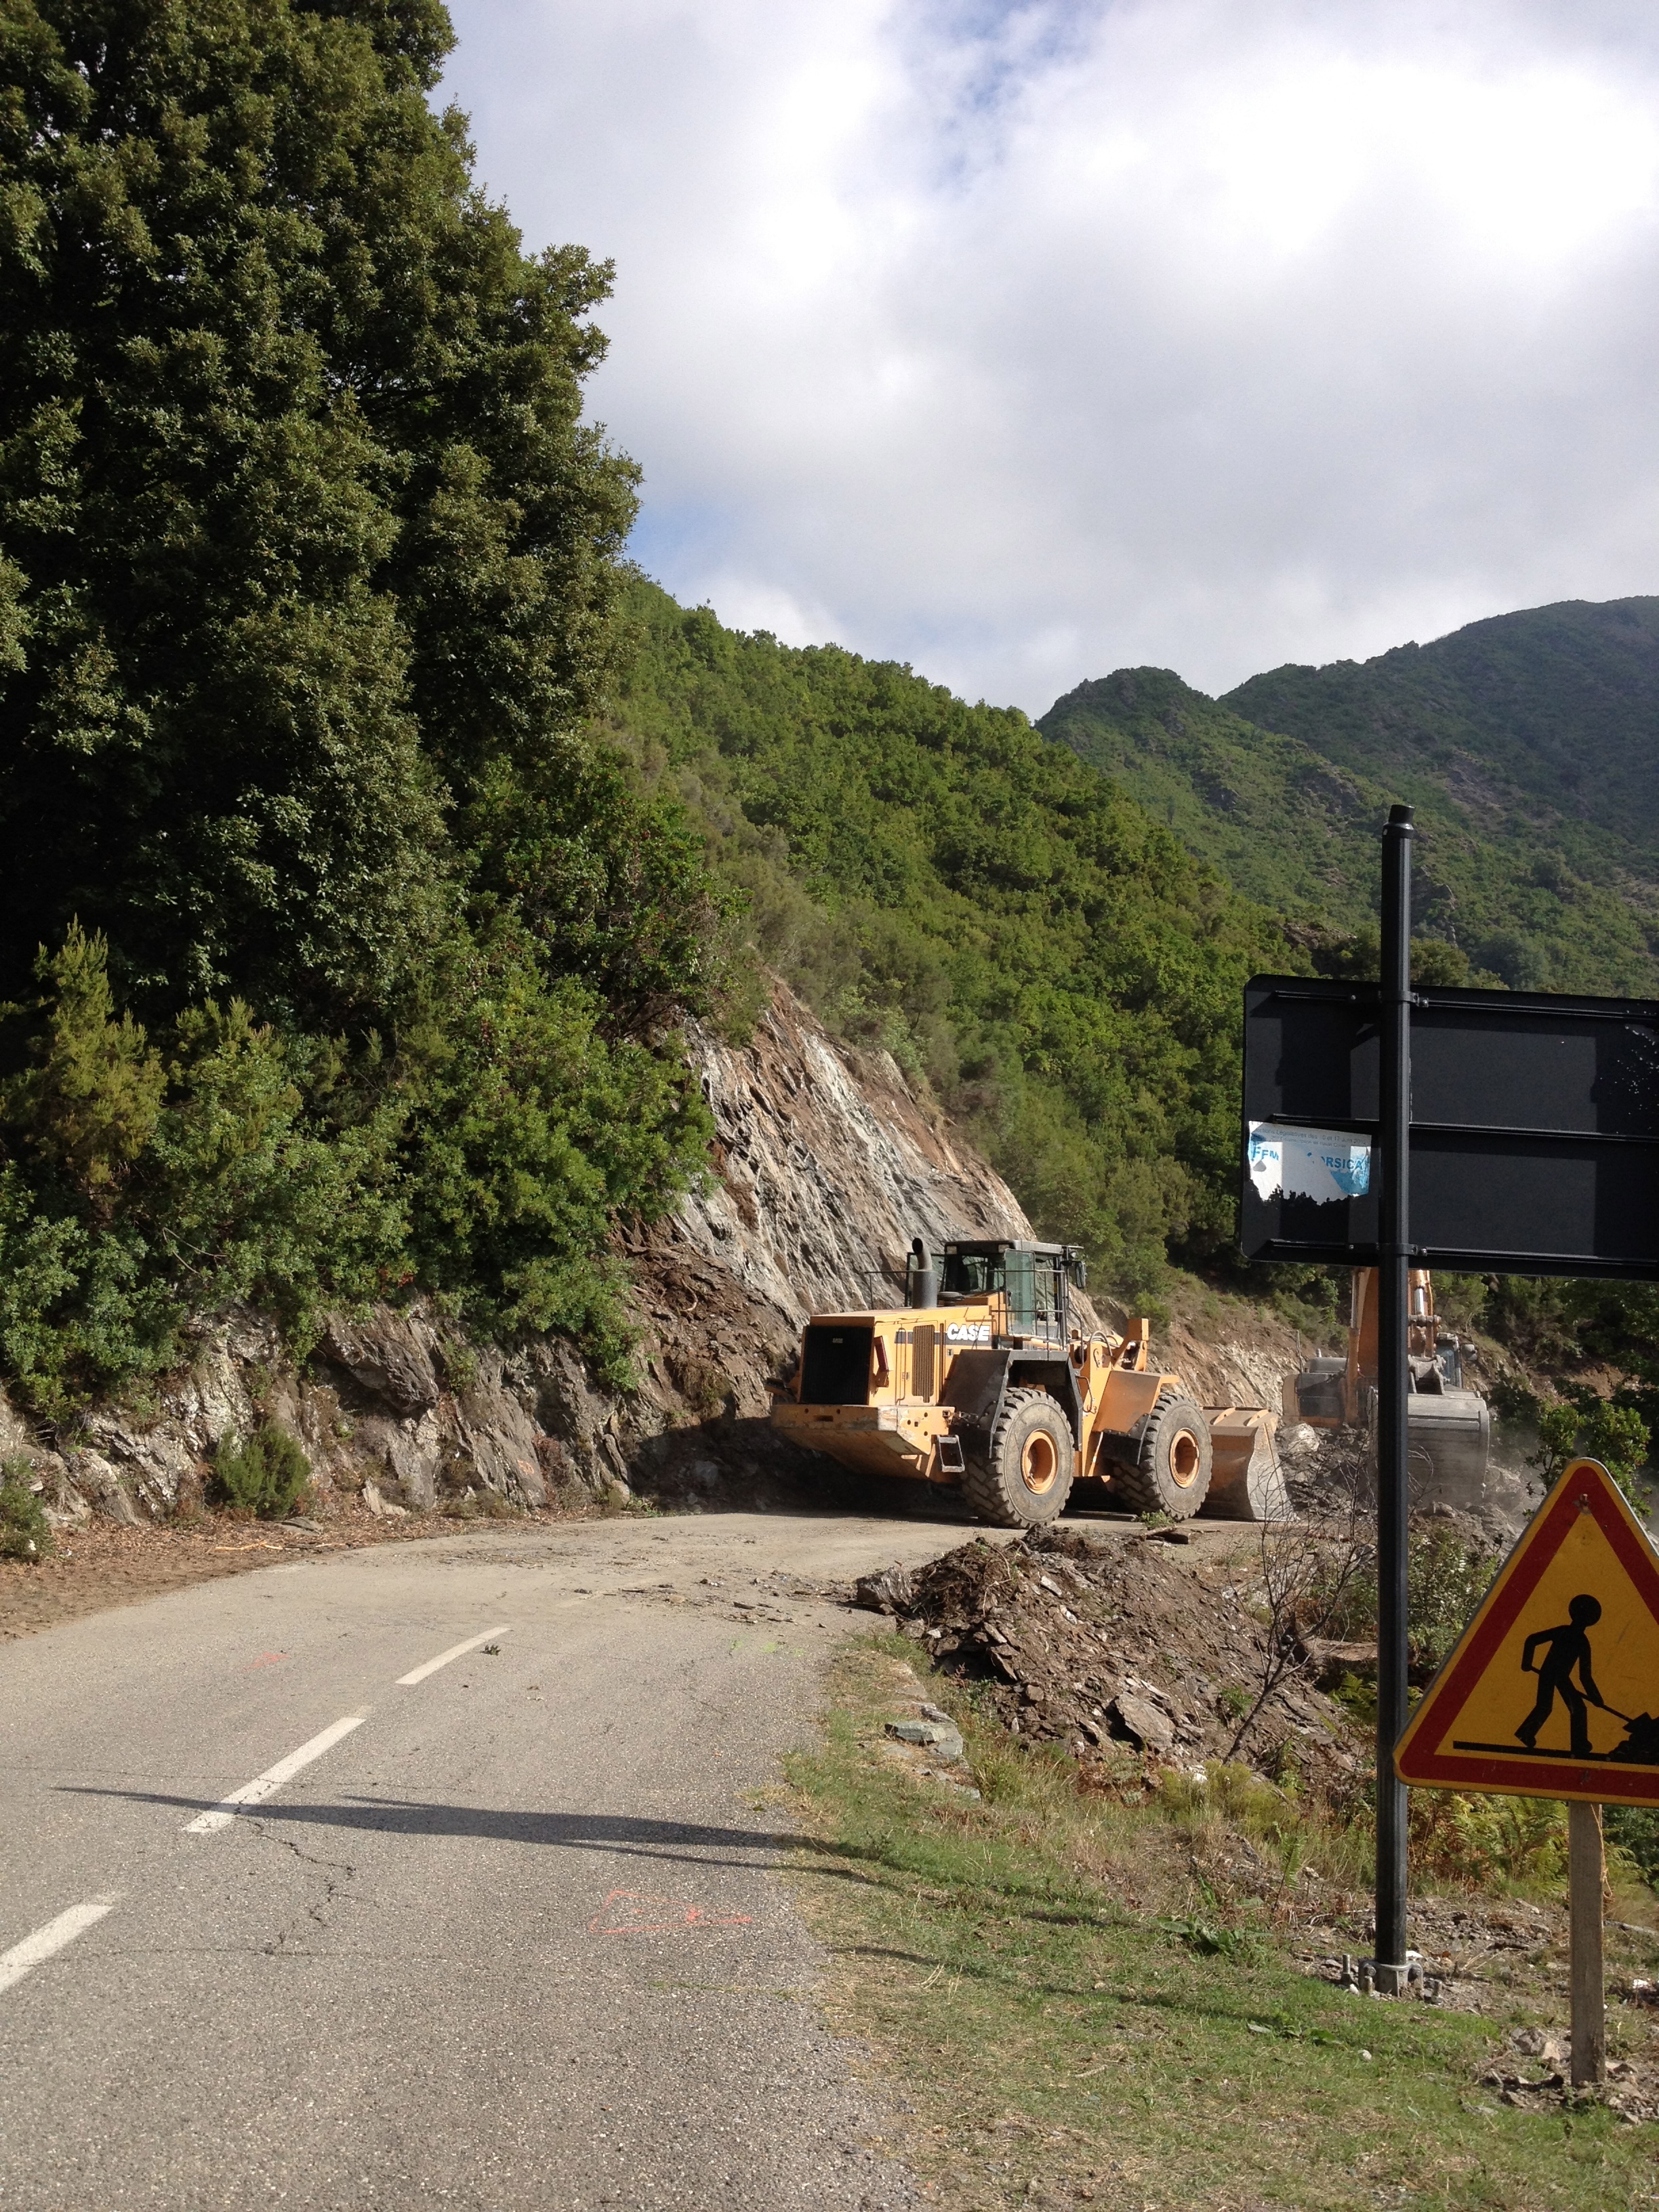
(1584, 1486)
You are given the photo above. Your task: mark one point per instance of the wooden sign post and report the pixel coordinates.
(1565, 1644)
(1586, 1875)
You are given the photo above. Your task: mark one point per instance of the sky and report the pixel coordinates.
(1023, 343)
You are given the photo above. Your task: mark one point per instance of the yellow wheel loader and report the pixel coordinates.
(1450, 1425)
(983, 1381)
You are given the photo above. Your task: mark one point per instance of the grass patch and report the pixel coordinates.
(1080, 2010)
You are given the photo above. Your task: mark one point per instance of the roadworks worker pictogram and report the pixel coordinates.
(1569, 1651)
(1547, 1694)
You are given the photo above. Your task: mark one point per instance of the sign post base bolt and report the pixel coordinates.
(1378, 1978)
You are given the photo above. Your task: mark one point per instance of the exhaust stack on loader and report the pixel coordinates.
(1450, 1425)
(983, 1382)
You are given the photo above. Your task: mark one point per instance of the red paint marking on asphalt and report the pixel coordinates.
(673, 1915)
(264, 1659)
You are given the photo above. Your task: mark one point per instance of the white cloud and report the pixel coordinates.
(1021, 342)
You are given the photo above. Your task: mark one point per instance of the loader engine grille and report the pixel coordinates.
(835, 1368)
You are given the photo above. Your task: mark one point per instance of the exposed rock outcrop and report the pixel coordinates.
(825, 1166)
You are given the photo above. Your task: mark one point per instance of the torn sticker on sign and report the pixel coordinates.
(1326, 1165)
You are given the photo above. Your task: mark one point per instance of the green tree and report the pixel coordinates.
(1557, 1441)
(301, 533)
(1618, 1435)
(90, 1099)
(1592, 1427)
(361, 955)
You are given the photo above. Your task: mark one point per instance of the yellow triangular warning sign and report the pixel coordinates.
(1553, 1688)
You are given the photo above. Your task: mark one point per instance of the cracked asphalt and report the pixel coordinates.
(516, 1940)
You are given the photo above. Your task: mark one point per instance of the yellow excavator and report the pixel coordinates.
(984, 1381)
(1449, 1425)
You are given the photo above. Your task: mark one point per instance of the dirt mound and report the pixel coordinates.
(1099, 1644)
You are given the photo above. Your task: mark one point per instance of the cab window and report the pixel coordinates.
(971, 1274)
(1022, 1292)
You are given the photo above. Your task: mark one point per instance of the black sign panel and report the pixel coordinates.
(1534, 1136)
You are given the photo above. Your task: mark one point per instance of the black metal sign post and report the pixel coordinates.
(1393, 1260)
(1515, 1131)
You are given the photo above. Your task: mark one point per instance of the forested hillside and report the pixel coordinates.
(1524, 742)
(1554, 706)
(370, 830)
(938, 879)
(1541, 729)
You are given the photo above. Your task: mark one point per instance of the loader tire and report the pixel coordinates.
(1023, 1475)
(1170, 1474)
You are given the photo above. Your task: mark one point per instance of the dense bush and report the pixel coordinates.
(1596, 1429)
(268, 1475)
(1632, 1832)
(1487, 1843)
(484, 1162)
(1446, 1577)
(25, 1531)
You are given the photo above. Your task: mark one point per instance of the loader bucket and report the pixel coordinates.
(1246, 1481)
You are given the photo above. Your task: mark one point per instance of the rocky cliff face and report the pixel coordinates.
(825, 1167)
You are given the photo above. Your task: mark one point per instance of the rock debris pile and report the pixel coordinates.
(1113, 1645)
(1332, 1477)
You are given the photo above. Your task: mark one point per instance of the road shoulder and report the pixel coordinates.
(1058, 1985)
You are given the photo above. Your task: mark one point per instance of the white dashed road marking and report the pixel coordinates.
(455, 1651)
(262, 1786)
(34, 1950)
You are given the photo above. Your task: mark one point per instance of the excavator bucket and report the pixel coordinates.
(1452, 1431)
(1247, 1482)
(1450, 1425)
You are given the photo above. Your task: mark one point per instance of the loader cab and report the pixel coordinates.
(1034, 1279)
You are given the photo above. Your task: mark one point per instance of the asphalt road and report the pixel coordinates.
(493, 1930)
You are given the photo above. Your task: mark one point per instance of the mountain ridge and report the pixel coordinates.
(1526, 687)
(1522, 741)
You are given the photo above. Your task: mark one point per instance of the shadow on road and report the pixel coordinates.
(395, 1816)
